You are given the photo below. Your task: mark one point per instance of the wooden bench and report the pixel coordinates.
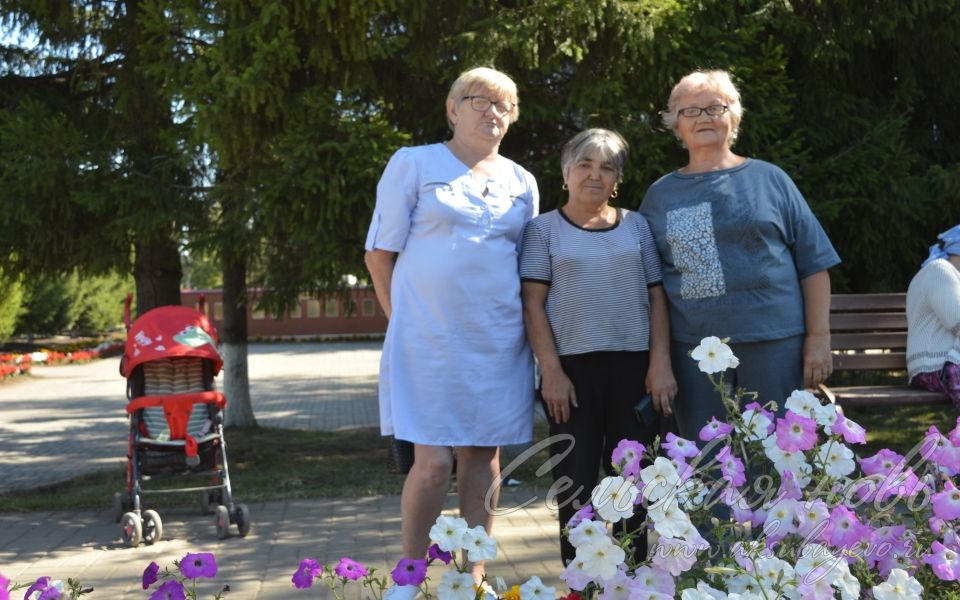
(869, 333)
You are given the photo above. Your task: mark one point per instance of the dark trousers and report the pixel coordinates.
(608, 385)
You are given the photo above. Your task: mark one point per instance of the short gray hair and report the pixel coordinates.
(718, 81)
(609, 144)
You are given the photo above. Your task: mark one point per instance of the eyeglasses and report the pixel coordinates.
(714, 110)
(483, 104)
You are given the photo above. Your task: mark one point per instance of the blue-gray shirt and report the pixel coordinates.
(735, 244)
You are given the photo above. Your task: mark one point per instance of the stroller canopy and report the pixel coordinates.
(169, 331)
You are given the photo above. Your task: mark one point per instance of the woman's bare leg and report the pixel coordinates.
(477, 468)
(424, 492)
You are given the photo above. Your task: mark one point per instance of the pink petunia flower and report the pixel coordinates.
(852, 432)
(789, 488)
(881, 463)
(714, 429)
(946, 504)
(679, 448)
(649, 579)
(350, 569)
(586, 513)
(731, 467)
(796, 433)
(844, 529)
(944, 562)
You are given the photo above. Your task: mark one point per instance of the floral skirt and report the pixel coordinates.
(946, 381)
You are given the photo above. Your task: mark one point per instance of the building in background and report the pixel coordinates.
(359, 314)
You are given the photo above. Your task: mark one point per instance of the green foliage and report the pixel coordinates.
(72, 303)
(259, 128)
(11, 304)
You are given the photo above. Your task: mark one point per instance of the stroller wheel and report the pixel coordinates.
(223, 522)
(152, 527)
(131, 530)
(242, 517)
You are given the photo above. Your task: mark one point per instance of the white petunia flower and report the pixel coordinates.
(668, 520)
(714, 356)
(691, 493)
(898, 586)
(659, 479)
(803, 403)
(613, 498)
(587, 532)
(448, 533)
(479, 545)
(601, 560)
(534, 589)
(837, 459)
(455, 585)
(756, 425)
(814, 557)
(795, 462)
(702, 592)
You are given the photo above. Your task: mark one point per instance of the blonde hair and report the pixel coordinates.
(486, 79)
(718, 81)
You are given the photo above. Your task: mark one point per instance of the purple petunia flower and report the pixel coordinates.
(679, 448)
(852, 432)
(585, 513)
(51, 593)
(796, 433)
(409, 571)
(627, 455)
(944, 562)
(38, 586)
(201, 564)
(350, 569)
(170, 590)
(882, 462)
(844, 529)
(4, 582)
(714, 429)
(435, 553)
(731, 467)
(946, 504)
(150, 574)
(308, 569)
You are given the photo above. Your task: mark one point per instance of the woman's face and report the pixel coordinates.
(591, 179)
(472, 119)
(703, 131)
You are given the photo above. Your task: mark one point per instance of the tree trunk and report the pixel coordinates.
(233, 342)
(156, 273)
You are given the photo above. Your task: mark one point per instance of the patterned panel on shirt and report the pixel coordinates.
(694, 247)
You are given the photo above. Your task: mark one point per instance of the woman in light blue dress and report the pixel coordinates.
(442, 250)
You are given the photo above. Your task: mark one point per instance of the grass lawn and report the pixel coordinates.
(275, 464)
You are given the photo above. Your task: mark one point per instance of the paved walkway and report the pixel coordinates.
(69, 420)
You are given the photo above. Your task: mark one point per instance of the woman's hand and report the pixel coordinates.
(662, 386)
(817, 360)
(558, 394)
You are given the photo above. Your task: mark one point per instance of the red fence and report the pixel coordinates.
(359, 314)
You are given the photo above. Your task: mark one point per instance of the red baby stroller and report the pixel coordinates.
(176, 419)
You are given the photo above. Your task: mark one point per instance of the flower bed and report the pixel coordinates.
(12, 365)
(767, 504)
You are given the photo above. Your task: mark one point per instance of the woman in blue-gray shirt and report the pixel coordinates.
(743, 257)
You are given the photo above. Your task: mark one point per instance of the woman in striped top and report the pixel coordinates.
(596, 317)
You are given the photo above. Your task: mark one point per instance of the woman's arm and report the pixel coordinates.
(817, 360)
(555, 387)
(380, 264)
(660, 381)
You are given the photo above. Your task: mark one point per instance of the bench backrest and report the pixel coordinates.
(868, 331)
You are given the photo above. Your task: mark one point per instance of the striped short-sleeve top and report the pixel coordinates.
(598, 280)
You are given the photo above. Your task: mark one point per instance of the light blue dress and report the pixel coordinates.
(456, 368)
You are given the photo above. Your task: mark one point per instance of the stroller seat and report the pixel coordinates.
(177, 375)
